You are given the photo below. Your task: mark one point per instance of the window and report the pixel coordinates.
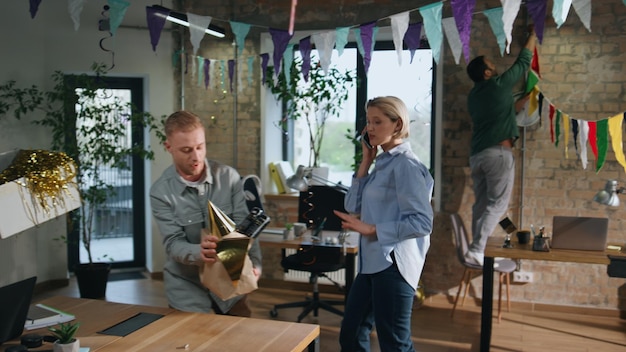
(412, 82)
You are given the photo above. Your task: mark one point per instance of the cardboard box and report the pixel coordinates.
(22, 210)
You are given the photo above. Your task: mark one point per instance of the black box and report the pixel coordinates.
(318, 203)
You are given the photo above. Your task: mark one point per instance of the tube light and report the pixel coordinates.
(181, 19)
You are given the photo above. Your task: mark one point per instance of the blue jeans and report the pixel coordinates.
(383, 299)
(493, 174)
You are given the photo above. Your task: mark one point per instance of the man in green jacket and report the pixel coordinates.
(494, 131)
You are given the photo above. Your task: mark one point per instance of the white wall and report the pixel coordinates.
(32, 50)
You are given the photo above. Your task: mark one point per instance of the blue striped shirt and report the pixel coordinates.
(395, 197)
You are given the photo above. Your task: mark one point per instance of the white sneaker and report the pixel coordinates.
(475, 258)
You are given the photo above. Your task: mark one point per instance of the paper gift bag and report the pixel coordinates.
(231, 275)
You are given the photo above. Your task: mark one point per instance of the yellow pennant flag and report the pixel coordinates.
(533, 102)
(565, 132)
(615, 131)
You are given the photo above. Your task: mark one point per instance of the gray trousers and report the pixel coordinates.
(493, 174)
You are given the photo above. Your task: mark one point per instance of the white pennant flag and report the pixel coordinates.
(510, 8)
(583, 9)
(75, 7)
(560, 9)
(454, 39)
(399, 26)
(583, 133)
(324, 43)
(197, 26)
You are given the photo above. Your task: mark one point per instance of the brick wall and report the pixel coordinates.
(582, 76)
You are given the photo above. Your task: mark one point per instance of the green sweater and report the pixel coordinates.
(491, 106)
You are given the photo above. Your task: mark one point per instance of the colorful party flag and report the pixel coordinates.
(412, 38)
(305, 51)
(537, 10)
(462, 11)
(341, 38)
(399, 25)
(454, 41)
(583, 9)
(583, 136)
(510, 10)
(566, 127)
(593, 138)
(34, 7)
(118, 11)
(497, 26)
(324, 43)
(602, 138)
(551, 116)
(365, 41)
(75, 8)
(240, 30)
(280, 38)
(560, 9)
(156, 22)
(615, 130)
(265, 58)
(432, 26)
(197, 27)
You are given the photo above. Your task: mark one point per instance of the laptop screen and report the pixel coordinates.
(15, 300)
(581, 233)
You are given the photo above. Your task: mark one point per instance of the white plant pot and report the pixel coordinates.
(68, 347)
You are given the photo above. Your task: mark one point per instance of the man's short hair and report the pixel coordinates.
(476, 69)
(182, 121)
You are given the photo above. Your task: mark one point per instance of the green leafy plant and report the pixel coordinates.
(87, 122)
(65, 333)
(315, 100)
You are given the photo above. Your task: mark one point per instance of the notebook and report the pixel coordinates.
(15, 300)
(582, 233)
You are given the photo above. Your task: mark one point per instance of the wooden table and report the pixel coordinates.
(494, 249)
(273, 240)
(176, 329)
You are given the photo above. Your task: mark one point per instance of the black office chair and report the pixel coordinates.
(318, 260)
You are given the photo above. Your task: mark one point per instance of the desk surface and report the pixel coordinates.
(524, 251)
(277, 241)
(176, 329)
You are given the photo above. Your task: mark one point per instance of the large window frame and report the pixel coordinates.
(271, 108)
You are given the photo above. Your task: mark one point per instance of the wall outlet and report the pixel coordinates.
(522, 276)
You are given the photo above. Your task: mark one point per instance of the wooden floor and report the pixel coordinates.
(522, 329)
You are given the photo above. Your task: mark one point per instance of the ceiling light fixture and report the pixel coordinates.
(182, 20)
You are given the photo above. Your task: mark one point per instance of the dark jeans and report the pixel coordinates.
(385, 300)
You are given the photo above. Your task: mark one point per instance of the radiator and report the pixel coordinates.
(338, 276)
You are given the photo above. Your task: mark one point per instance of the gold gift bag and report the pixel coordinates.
(231, 274)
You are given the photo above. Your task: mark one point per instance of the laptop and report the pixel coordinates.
(581, 233)
(15, 300)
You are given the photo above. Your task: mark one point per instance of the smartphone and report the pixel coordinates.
(366, 139)
(254, 223)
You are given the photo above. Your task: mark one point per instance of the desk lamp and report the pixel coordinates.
(608, 196)
(300, 180)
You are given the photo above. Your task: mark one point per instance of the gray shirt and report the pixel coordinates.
(181, 212)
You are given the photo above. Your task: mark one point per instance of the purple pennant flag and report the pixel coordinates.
(207, 75)
(462, 11)
(155, 24)
(34, 6)
(280, 38)
(265, 58)
(231, 72)
(367, 31)
(305, 51)
(537, 11)
(412, 37)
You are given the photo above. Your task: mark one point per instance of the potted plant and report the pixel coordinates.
(80, 125)
(314, 100)
(65, 337)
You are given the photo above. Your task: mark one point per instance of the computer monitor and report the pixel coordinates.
(14, 302)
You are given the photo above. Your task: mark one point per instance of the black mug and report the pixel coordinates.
(523, 237)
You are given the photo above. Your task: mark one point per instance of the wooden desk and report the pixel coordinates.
(201, 331)
(352, 249)
(494, 249)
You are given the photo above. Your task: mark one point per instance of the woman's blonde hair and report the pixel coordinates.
(395, 109)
